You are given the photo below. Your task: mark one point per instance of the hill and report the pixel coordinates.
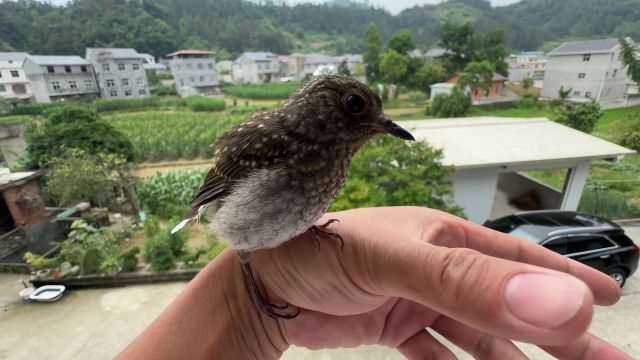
(233, 26)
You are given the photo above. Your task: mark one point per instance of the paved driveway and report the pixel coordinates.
(96, 324)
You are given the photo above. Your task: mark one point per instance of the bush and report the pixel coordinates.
(201, 103)
(161, 90)
(529, 101)
(73, 127)
(601, 201)
(36, 109)
(270, 91)
(632, 140)
(455, 104)
(91, 261)
(157, 252)
(129, 259)
(178, 240)
(126, 104)
(583, 117)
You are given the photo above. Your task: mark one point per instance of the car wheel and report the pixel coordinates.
(617, 274)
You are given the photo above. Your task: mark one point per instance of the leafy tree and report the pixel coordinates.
(527, 83)
(74, 127)
(455, 104)
(393, 66)
(343, 68)
(489, 47)
(402, 42)
(428, 75)
(477, 75)
(458, 40)
(583, 117)
(371, 57)
(79, 176)
(391, 172)
(630, 61)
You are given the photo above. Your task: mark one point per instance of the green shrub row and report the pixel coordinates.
(269, 91)
(201, 103)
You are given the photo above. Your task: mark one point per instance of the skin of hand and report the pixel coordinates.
(402, 270)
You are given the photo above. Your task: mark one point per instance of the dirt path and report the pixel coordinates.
(150, 169)
(403, 111)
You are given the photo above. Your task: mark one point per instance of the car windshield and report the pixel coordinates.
(518, 227)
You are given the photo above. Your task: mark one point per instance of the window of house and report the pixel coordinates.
(200, 66)
(51, 69)
(19, 88)
(201, 78)
(259, 66)
(110, 83)
(181, 82)
(615, 72)
(67, 69)
(55, 85)
(125, 82)
(582, 75)
(121, 67)
(140, 81)
(106, 67)
(142, 92)
(192, 79)
(88, 84)
(210, 65)
(113, 93)
(14, 73)
(83, 68)
(576, 93)
(73, 84)
(3, 88)
(136, 66)
(586, 57)
(189, 66)
(127, 93)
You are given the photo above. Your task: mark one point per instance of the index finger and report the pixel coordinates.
(442, 229)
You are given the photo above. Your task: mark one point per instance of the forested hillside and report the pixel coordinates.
(233, 26)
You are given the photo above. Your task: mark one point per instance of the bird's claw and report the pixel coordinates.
(317, 230)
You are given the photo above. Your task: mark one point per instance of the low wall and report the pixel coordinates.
(517, 185)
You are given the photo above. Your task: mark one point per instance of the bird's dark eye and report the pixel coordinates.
(355, 104)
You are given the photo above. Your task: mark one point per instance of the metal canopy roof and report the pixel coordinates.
(585, 47)
(486, 142)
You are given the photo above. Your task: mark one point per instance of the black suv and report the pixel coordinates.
(589, 239)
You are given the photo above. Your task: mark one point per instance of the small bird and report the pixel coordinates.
(274, 176)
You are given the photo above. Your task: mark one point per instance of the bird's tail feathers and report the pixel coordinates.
(191, 215)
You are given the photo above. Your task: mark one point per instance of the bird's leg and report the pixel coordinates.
(317, 230)
(264, 305)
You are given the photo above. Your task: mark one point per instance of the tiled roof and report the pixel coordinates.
(260, 56)
(58, 60)
(117, 53)
(191, 52)
(585, 47)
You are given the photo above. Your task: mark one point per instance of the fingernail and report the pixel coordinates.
(544, 300)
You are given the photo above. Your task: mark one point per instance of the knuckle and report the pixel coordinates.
(459, 276)
(485, 348)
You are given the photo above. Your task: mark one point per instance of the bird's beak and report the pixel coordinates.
(386, 126)
(396, 130)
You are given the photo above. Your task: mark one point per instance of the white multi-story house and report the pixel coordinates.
(532, 68)
(593, 70)
(119, 72)
(56, 78)
(256, 67)
(14, 85)
(194, 70)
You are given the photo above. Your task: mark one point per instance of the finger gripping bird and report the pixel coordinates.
(274, 176)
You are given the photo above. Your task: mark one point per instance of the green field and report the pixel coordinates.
(268, 91)
(172, 135)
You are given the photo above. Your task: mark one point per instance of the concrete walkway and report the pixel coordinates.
(97, 324)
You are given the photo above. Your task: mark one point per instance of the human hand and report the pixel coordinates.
(405, 269)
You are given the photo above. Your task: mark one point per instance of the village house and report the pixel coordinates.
(497, 91)
(528, 64)
(194, 70)
(256, 68)
(56, 78)
(150, 64)
(592, 70)
(14, 85)
(119, 72)
(436, 53)
(303, 66)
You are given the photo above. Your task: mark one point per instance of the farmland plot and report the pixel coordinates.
(172, 135)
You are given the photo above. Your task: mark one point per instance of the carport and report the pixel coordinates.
(490, 155)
